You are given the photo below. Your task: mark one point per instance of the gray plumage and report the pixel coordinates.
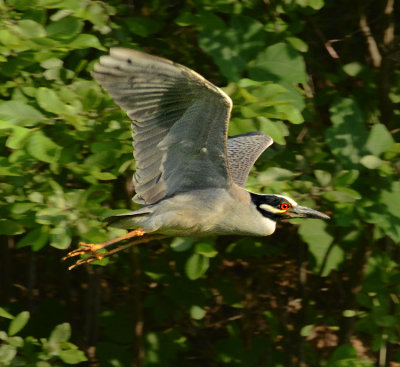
(179, 123)
(190, 178)
(243, 151)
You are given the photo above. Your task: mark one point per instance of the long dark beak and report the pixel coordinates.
(303, 212)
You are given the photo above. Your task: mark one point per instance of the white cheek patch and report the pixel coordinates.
(271, 209)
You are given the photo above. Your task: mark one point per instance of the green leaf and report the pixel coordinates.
(10, 227)
(143, 26)
(335, 257)
(391, 199)
(371, 162)
(72, 356)
(17, 138)
(65, 28)
(15, 341)
(348, 135)
(231, 47)
(197, 313)
(353, 68)
(346, 177)
(8, 169)
(324, 178)
(180, 244)
(7, 354)
(43, 364)
(19, 113)
(205, 249)
(274, 174)
(60, 237)
(5, 314)
(23, 4)
(379, 140)
(343, 357)
(343, 195)
(106, 176)
(298, 44)
(275, 129)
(313, 232)
(61, 333)
(18, 323)
(386, 320)
(51, 102)
(196, 266)
(307, 330)
(43, 148)
(290, 113)
(37, 238)
(279, 62)
(86, 41)
(28, 28)
(349, 313)
(316, 4)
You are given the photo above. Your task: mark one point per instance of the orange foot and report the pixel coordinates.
(92, 249)
(85, 249)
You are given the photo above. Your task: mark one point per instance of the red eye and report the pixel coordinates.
(285, 206)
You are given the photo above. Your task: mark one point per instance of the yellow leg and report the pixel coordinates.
(99, 256)
(91, 249)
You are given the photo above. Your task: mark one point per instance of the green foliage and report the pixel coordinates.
(56, 350)
(325, 293)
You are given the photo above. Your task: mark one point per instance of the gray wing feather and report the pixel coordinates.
(179, 123)
(243, 151)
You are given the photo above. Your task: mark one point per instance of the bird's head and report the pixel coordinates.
(277, 207)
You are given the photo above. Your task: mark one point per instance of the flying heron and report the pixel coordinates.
(190, 176)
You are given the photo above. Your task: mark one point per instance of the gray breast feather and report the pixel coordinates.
(243, 151)
(179, 123)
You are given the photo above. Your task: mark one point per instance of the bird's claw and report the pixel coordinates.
(88, 260)
(85, 249)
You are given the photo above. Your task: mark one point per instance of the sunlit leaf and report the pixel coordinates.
(85, 41)
(196, 266)
(353, 68)
(51, 102)
(371, 162)
(205, 249)
(72, 356)
(61, 333)
(379, 140)
(18, 322)
(7, 354)
(279, 62)
(30, 29)
(197, 312)
(43, 148)
(4, 313)
(19, 113)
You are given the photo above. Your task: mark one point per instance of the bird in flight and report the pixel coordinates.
(190, 176)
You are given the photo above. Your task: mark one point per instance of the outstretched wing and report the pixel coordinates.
(243, 151)
(179, 123)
